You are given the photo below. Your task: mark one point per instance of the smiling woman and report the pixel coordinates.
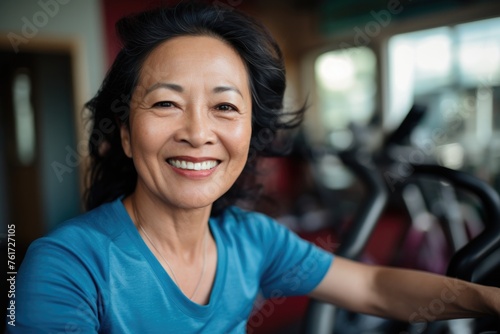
(136, 78)
(196, 112)
(163, 247)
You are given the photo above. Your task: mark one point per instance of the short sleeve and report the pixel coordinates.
(54, 291)
(293, 266)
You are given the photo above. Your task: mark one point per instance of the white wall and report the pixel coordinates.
(76, 19)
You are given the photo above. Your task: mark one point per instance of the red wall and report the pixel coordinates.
(114, 10)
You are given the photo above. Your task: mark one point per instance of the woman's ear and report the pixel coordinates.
(125, 137)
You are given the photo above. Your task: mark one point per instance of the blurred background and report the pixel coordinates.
(359, 64)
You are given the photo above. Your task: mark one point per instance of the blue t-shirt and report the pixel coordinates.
(95, 274)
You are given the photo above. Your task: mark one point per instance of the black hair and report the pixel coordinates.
(112, 174)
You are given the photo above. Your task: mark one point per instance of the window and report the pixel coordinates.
(455, 72)
(346, 89)
(24, 118)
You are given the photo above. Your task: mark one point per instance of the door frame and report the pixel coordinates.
(75, 48)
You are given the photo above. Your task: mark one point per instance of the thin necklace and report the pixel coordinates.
(168, 264)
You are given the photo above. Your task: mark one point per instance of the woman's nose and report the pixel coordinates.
(196, 128)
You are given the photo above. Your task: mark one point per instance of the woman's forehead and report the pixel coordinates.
(201, 57)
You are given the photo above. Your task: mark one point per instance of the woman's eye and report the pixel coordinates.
(226, 107)
(163, 104)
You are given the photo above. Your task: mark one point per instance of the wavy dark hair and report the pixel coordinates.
(112, 174)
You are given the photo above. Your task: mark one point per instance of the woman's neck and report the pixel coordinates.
(177, 231)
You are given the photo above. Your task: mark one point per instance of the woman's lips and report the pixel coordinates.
(193, 164)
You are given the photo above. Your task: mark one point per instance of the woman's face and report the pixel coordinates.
(190, 121)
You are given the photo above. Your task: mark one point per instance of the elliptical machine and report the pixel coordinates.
(475, 261)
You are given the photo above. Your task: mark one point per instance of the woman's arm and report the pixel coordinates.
(406, 295)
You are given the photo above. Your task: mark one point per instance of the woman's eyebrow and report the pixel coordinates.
(179, 89)
(221, 89)
(167, 85)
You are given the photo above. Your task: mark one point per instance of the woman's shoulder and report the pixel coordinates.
(234, 215)
(100, 224)
(239, 221)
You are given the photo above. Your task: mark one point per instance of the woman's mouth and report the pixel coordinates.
(190, 165)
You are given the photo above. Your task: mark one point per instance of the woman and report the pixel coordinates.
(184, 112)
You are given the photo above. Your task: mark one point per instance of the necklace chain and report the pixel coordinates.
(168, 264)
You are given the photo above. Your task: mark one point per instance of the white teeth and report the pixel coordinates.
(182, 164)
